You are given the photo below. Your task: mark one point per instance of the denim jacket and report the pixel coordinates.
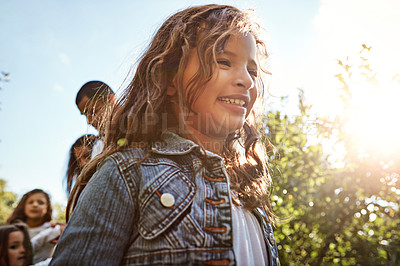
(163, 208)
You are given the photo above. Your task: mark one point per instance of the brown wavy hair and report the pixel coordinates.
(144, 111)
(19, 211)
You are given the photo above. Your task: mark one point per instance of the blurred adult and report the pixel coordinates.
(94, 100)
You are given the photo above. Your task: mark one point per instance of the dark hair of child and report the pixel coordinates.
(74, 168)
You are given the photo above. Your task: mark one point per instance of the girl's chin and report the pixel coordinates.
(20, 261)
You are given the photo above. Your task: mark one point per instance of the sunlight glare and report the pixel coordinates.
(374, 119)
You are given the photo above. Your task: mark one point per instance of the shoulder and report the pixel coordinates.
(128, 158)
(120, 161)
(138, 168)
(33, 231)
(42, 227)
(137, 157)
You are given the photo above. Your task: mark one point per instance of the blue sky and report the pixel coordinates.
(51, 48)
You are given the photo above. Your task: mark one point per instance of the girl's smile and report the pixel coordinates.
(236, 103)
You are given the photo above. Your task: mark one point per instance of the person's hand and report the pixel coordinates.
(54, 223)
(61, 225)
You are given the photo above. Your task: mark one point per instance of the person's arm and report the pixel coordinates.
(100, 227)
(45, 236)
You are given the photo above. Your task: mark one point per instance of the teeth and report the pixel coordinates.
(233, 101)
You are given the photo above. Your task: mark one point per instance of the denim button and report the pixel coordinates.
(167, 200)
(278, 263)
(271, 239)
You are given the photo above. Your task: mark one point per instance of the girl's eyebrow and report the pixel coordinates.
(230, 53)
(252, 62)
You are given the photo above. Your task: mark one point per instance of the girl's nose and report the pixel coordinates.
(244, 79)
(22, 249)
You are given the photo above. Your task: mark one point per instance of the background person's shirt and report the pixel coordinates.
(97, 148)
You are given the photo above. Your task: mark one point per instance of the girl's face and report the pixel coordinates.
(36, 206)
(16, 249)
(82, 155)
(229, 96)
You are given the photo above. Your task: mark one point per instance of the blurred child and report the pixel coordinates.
(34, 209)
(182, 179)
(15, 248)
(79, 156)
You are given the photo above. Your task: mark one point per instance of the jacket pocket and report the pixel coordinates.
(164, 201)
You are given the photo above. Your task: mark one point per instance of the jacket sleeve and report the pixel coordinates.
(101, 225)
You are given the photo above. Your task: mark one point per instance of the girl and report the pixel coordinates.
(34, 209)
(79, 156)
(182, 178)
(15, 248)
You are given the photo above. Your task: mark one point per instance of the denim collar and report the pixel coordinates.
(173, 144)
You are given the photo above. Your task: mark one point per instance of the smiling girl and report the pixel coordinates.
(182, 178)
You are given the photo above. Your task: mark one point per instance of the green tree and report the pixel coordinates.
(7, 202)
(339, 211)
(7, 199)
(59, 212)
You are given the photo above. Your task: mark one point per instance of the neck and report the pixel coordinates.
(33, 222)
(210, 143)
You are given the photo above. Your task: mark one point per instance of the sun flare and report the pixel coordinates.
(374, 119)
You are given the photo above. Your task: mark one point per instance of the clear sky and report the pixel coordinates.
(51, 48)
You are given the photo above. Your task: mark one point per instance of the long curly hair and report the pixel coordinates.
(144, 111)
(19, 211)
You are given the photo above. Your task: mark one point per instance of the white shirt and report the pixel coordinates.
(97, 147)
(248, 240)
(41, 238)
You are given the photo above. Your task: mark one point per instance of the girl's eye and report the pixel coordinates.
(14, 247)
(224, 62)
(253, 73)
